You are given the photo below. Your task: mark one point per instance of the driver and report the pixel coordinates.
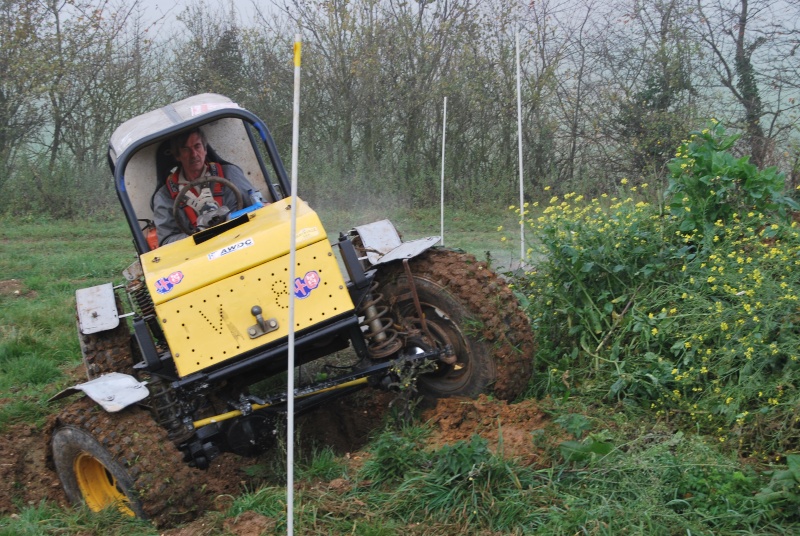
(203, 207)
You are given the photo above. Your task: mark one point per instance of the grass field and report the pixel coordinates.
(589, 466)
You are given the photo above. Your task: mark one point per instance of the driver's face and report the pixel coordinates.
(192, 157)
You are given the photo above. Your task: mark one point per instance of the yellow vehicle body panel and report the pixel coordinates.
(182, 267)
(206, 313)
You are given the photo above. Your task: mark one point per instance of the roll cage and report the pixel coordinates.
(233, 133)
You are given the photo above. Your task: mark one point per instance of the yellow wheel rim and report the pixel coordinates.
(98, 486)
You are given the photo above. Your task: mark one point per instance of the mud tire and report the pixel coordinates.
(146, 466)
(492, 335)
(107, 351)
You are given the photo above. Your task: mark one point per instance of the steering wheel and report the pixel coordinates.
(180, 199)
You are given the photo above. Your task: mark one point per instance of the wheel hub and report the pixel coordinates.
(98, 486)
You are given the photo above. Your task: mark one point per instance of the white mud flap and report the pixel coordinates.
(383, 243)
(113, 391)
(97, 309)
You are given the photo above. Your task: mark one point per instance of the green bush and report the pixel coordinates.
(707, 184)
(699, 324)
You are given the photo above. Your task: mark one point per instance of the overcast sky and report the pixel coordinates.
(153, 10)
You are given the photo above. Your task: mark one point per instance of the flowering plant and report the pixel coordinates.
(708, 184)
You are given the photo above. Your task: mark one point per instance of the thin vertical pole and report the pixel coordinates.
(444, 135)
(521, 181)
(292, 275)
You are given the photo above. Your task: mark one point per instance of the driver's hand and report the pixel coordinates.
(211, 215)
(201, 202)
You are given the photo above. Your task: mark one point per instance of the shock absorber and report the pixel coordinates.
(382, 338)
(137, 290)
(141, 299)
(166, 409)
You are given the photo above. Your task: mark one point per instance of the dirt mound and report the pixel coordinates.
(507, 427)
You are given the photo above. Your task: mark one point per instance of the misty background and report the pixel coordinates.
(609, 89)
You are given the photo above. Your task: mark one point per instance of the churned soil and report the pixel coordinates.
(508, 428)
(345, 425)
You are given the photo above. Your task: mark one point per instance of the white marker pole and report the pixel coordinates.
(292, 265)
(521, 182)
(444, 135)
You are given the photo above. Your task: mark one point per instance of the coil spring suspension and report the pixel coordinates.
(382, 338)
(138, 291)
(166, 409)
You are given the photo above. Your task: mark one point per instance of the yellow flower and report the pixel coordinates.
(500, 228)
(624, 181)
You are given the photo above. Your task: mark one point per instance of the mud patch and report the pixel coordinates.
(250, 524)
(15, 289)
(509, 428)
(346, 424)
(24, 479)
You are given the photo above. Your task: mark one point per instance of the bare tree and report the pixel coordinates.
(22, 80)
(743, 37)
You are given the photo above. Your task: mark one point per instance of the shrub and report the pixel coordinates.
(698, 323)
(708, 184)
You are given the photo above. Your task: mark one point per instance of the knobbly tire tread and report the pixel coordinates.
(503, 325)
(168, 491)
(107, 351)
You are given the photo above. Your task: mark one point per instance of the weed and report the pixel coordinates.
(393, 455)
(323, 465)
(708, 184)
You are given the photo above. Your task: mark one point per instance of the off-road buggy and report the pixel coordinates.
(179, 356)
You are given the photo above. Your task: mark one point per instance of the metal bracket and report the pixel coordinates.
(413, 288)
(262, 326)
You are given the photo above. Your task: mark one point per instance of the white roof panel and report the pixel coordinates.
(150, 123)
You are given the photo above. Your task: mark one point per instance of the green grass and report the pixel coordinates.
(49, 260)
(48, 519)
